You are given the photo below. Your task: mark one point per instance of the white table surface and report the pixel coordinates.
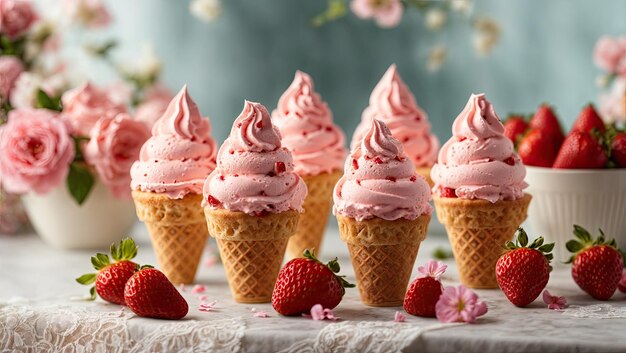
(37, 282)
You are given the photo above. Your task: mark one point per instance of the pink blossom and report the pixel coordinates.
(36, 151)
(554, 302)
(10, 69)
(87, 13)
(261, 314)
(459, 304)
(399, 317)
(85, 105)
(610, 54)
(113, 147)
(16, 17)
(198, 288)
(433, 268)
(386, 13)
(206, 307)
(319, 313)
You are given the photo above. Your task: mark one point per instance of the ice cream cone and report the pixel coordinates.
(252, 249)
(313, 221)
(383, 253)
(477, 230)
(178, 231)
(425, 172)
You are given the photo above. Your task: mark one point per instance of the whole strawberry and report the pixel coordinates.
(596, 264)
(149, 293)
(587, 120)
(523, 271)
(514, 128)
(424, 292)
(536, 148)
(618, 149)
(112, 277)
(546, 121)
(304, 282)
(581, 150)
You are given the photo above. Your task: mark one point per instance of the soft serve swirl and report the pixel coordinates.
(479, 162)
(392, 102)
(180, 153)
(380, 181)
(306, 124)
(254, 173)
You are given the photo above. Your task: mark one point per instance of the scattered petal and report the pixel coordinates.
(198, 288)
(554, 302)
(459, 304)
(206, 307)
(318, 313)
(262, 314)
(399, 317)
(328, 314)
(433, 268)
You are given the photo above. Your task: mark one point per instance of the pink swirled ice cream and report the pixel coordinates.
(380, 181)
(254, 173)
(179, 155)
(306, 125)
(393, 103)
(479, 162)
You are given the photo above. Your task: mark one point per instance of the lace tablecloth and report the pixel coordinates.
(38, 314)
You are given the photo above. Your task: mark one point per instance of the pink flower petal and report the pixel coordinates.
(198, 288)
(261, 314)
(206, 307)
(399, 317)
(547, 297)
(459, 304)
(433, 268)
(554, 302)
(317, 312)
(328, 314)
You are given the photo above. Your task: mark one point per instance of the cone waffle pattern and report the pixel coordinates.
(252, 250)
(383, 254)
(313, 221)
(178, 232)
(477, 230)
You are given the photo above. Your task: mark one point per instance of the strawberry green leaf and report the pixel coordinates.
(582, 234)
(509, 245)
(522, 237)
(88, 278)
(115, 253)
(573, 246)
(92, 293)
(334, 266)
(546, 248)
(537, 243)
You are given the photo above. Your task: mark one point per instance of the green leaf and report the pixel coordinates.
(537, 243)
(127, 249)
(522, 237)
(92, 293)
(442, 254)
(550, 257)
(44, 101)
(582, 234)
(88, 278)
(574, 246)
(546, 248)
(114, 252)
(80, 181)
(334, 265)
(509, 245)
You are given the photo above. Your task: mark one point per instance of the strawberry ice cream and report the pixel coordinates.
(306, 125)
(479, 162)
(179, 155)
(380, 181)
(254, 174)
(393, 103)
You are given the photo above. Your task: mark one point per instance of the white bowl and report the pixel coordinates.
(101, 220)
(591, 198)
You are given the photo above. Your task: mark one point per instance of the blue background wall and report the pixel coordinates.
(253, 49)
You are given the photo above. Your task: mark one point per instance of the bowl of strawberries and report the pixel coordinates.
(578, 178)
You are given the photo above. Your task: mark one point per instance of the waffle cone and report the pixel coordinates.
(425, 172)
(477, 230)
(178, 232)
(252, 249)
(313, 221)
(383, 253)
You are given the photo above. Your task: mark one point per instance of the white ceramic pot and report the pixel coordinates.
(98, 222)
(591, 198)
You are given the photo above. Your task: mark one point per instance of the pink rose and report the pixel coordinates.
(114, 146)
(10, 69)
(610, 55)
(386, 13)
(36, 151)
(16, 17)
(85, 105)
(87, 13)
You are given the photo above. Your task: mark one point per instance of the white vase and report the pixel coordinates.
(101, 220)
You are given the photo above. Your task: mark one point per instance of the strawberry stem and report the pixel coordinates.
(332, 265)
(584, 240)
